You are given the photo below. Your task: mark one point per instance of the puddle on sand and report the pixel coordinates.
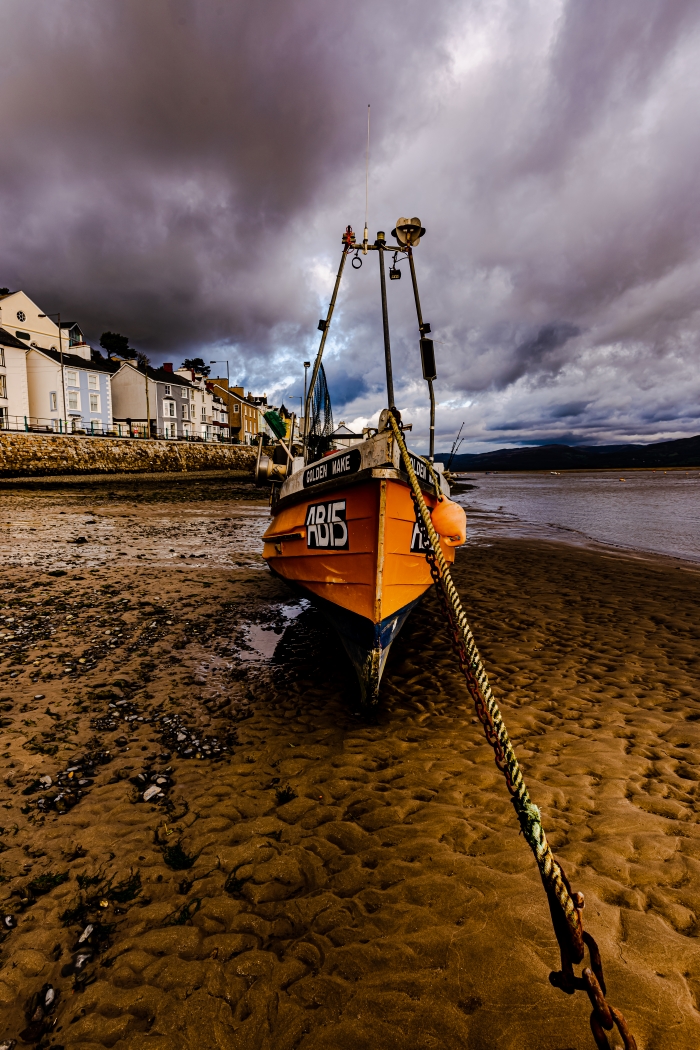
(263, 640)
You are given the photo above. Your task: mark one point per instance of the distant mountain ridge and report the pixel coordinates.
(684, 452)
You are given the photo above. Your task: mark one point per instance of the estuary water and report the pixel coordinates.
(651, 511)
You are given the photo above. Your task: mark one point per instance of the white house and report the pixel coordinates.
(218, 425)
(210, 409)
(20, 322)
(22, 318)
(57, 379)
(14, 396)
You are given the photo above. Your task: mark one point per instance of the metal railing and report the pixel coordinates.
(134, 430)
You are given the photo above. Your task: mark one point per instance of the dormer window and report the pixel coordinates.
(75, 336)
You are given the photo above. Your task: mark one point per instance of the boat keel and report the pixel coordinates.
(366, 643)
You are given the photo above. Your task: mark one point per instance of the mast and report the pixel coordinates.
(427, 353)
(324, 325)
(408, 233)
(380, 245)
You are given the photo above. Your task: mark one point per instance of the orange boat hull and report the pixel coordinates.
(359, 553)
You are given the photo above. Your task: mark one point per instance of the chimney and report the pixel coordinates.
(168, 367)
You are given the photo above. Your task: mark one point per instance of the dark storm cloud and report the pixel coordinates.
(159, 156)
(182, 171)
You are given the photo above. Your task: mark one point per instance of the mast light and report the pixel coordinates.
(408, 232)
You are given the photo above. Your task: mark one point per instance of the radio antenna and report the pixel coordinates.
(366, 236)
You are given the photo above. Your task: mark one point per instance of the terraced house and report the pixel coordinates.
(210, 412)
(14, 396)
(156, 401)
(66, 381)
(70, 392)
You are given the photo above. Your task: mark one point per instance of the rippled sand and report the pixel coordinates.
(338, 882)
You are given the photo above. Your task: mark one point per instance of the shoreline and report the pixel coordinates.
(588, 543)
(133, 478)
(335, 882)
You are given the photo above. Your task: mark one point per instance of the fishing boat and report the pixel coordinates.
(344, 529)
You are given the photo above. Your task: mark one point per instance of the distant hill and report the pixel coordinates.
(682, 453)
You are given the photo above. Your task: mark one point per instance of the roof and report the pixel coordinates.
(237, 397)
(75, 361)
(9, 340)
(158, 375)
(162, 375)
(342, 431)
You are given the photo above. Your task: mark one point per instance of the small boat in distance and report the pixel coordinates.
(344, 527)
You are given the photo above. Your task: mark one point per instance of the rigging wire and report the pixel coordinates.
(366, 182)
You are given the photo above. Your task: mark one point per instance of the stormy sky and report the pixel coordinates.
(181, 171)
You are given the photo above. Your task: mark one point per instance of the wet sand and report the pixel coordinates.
(305, 877)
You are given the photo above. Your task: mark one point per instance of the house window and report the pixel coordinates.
(94, 402)
(184, 411)
(73, 401)
(236, 409)
(192, 394)
(168, 390)
(171, 408)
(2, 356)
(183, 391)
(53, 401)
(3, 385)
(72, 377)
(94, 382)
(204, 414)
(22, 335)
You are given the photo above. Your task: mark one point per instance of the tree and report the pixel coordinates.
(117, 344)
(197, 365)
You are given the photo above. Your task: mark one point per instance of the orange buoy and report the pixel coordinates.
(450, 522)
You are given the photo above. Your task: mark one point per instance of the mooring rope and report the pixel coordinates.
(565, 906)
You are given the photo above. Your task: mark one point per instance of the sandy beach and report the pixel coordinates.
(229, 855)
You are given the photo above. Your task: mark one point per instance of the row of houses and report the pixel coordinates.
(51, 379)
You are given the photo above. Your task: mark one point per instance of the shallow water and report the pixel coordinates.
(648, 511)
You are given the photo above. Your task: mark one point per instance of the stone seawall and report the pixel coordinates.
(35, 455)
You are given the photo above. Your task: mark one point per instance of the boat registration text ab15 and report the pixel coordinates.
(326, 526)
